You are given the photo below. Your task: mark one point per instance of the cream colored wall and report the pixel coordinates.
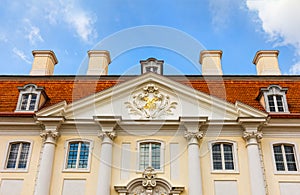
(59, 175)
(242, 176)
(273, 178)
(29, 176)
(183, 179)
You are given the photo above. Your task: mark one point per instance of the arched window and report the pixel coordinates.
(273, 99)
(223, 156)
(150, 154)
(31, 98)
(78, 155)
(285, 157)
(18, 155)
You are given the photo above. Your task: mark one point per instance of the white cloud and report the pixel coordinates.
(21, 55)
(295, 69)
(280, 20)
(221, 12)
(33, 33)
(71, 13)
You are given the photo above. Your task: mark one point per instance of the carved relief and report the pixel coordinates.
(49, 135)
(252, 134)
(190, 135)
(150, 103)
(110, 134)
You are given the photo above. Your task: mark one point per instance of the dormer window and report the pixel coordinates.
(31, 98)
(152, 65)
(273, 99)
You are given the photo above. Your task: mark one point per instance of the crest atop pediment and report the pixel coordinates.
(150, 103)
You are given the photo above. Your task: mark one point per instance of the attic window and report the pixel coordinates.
(273, 99)
(31, 98)
(152, 65)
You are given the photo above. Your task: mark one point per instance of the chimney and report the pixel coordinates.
(98, 62)
(266, 62)
(43, 62)
(211, 62)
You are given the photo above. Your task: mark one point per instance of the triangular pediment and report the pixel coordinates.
(152, 97)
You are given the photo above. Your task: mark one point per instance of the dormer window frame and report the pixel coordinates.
(152, 63)
(273, 92)
(30, 90)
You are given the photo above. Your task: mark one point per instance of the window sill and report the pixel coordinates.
(286, 173)
(156, 171)
(225, 172)
(14, 171)
(76, 170)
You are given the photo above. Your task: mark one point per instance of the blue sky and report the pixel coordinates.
(172, 30)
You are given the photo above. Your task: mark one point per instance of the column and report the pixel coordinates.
(104, 175)
(255, 167)
(107, 134)
(194, 169)
(49, 135)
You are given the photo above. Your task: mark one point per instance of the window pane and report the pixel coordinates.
(278, 158)
(24, 102)
(217, 158)
(13, 155)
(290, 158)
(271, 103)
(84, 155)
(144, 155)
(72, 155)
(32, 101)
(228, 156)
(155, 155)
(24, 155)
(279, 103)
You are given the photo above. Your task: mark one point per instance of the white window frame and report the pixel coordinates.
(16, 169)
(234, 154)
(65, 164)
(296, 154)
(29, 89)
(152, 62)
(274, 90)
(162, 154)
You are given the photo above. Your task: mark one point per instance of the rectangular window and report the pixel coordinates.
(275, 103)
(284, 157)
(222, 156)
(18, 155)
(150, 156)
(78, 155)
(28, 101)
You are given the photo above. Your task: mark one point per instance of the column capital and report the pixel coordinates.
(247, 135)
(193, 137)
(50, 127)
(50, 136)
(107, 134)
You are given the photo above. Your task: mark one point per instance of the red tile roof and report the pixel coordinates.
(70, 88)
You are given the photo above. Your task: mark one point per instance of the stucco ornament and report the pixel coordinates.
(150, 103)
(149, 178)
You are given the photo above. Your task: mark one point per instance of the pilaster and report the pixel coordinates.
(252, 136)
(107, 134)
(49, 135)
(193, 135)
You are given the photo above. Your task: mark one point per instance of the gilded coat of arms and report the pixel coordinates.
(150, 103)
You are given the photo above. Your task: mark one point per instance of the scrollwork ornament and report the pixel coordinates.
(110, 134)
(49, 134)
(253, 134)
(189, 135)
(150, 103)
(149, 178)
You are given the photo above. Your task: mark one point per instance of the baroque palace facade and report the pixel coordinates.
(150, 134)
